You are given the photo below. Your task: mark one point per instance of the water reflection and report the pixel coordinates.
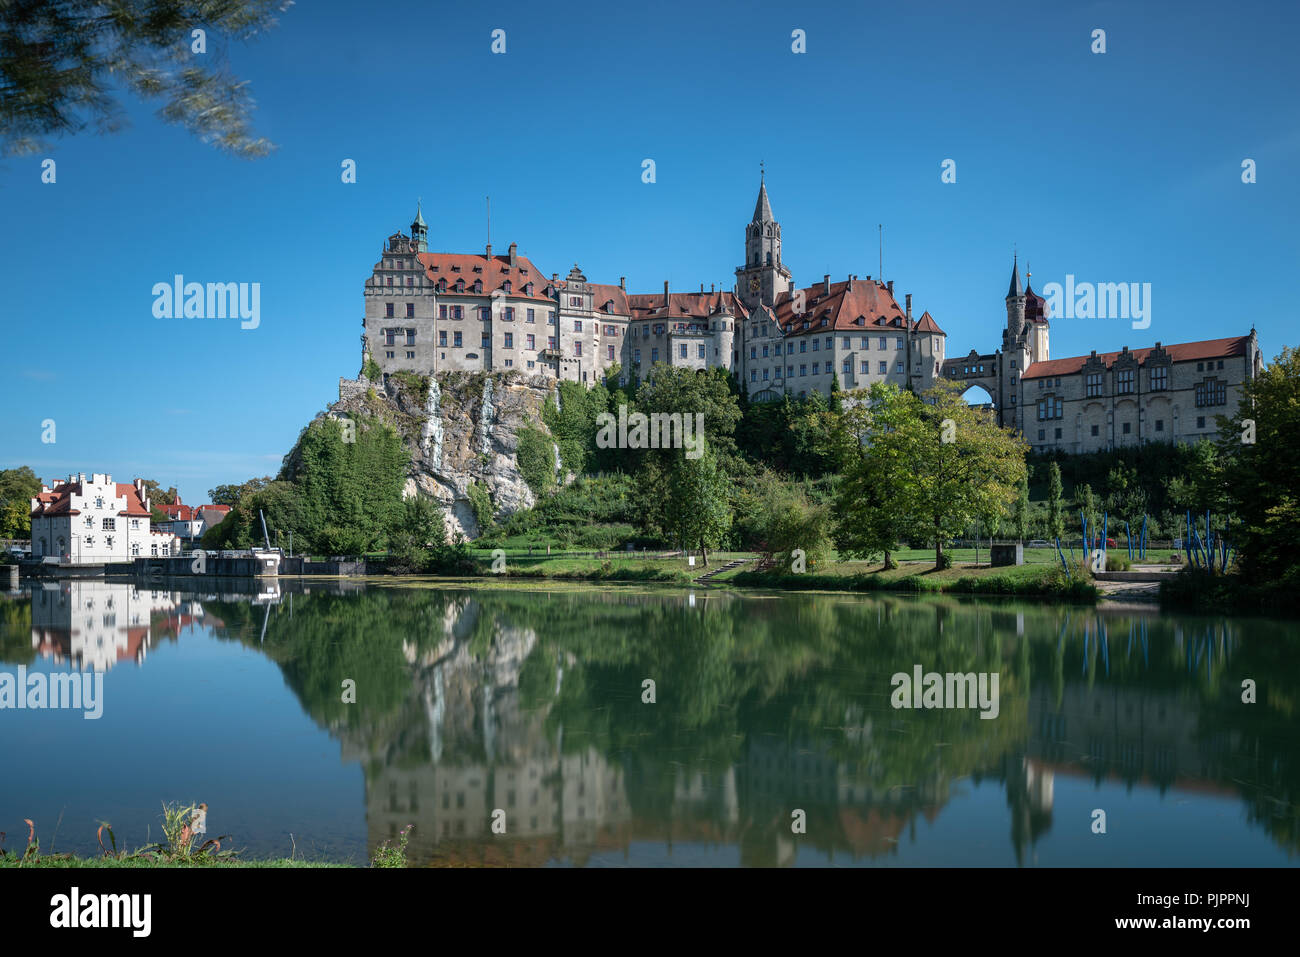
(469, 702)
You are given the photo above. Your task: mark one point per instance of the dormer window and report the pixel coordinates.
(460, 285)
(455, 269)
(478, 268)
(505, 286)
(478, 285)
(528, 287)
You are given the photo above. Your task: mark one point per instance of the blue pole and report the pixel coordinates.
(1128, 540)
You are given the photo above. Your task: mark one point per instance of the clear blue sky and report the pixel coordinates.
(1121, 167)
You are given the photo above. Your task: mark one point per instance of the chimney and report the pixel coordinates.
(890, 286)
(826, 284)
(514, 250)
(711, 290)
(667, 301)
(790, 286)
(850, 282)
(908, 300)
(555, 276)
(622, 283)
(489, 251)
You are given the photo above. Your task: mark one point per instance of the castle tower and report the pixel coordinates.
(762, 276)
(419, 231)
(1015, 302)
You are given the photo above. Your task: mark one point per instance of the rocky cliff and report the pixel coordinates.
(461, 428)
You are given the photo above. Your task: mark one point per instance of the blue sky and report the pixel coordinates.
(1115, 167)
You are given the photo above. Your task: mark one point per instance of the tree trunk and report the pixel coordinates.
(704, 554)
(938, 552)
(886, 568)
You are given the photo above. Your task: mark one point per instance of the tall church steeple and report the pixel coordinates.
(763, 276)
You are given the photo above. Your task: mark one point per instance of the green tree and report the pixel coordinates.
(962, 465)
(1263, 476)
(17, 489)
(232, 494)
(535, 457)
(869, 519)
(1021, 513)
(698, 512)
(1055, 514)
(789, 522)
(63, 61)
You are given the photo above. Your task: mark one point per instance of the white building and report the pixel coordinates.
(90, 521)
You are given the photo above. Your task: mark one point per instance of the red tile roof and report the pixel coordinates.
(1178, 352)
(602, 294)
(685, 305)
(178, 512)
(841, 307)
(58, 501)
(494, 272)
(133, 504)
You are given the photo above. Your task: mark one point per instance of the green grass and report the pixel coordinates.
(73, 861)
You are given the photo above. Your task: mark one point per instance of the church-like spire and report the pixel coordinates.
(420, 229)
(1015, 291)
(763, 208)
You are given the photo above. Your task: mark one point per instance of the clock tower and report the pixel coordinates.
(763, 277)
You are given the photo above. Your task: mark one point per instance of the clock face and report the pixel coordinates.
(754, 284)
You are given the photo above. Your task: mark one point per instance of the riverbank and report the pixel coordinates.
(72, 861)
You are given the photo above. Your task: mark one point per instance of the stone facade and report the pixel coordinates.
(1166, 393)
(442, 312)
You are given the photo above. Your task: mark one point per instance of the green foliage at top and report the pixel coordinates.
(232, 495)
(480, 502)
(370, 369)
(65, 63)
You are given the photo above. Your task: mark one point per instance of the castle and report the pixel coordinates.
(428, 312)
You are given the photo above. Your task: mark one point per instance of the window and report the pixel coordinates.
(654, 355)
(1124, 380)
(848, 365)
(410, 310)
(1211, 392)
(1042, 409)
(753, 352)
(456, 340)
(830, 343)
(847, 343)
(442, 312)
(109, 524)
(898, 342)
(1058, 435)
(485, 313)
(550, 342)
(803, 345)
(1127, 428)
(390, 337)
(577, 348)
(388, 354)
(1160, 425)
(865, 367)
(577, 325)
(1059, 413)
(765, 371)
(803, 370)
(1094, 384)
(815, 343)
(458, 312)
(509, 314)
(1200, 421)
(388, 310)
(1220, 365)
(575, 301)
(611, 352)
(442, 337)
(485, 341)
(532, 342)
(884, 368)
(1095, 430)
(532, 315)
(789, 372)
(1042, 433)
(636, 356)
(1158, 379)
(753, 375)
(410, 337)
(882, 346)
(509, 342)
(1200, 367)
(899, 367)
(681, 350)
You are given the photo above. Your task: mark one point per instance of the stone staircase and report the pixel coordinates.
(703, 579)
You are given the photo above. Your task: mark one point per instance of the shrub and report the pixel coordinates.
(389, 856)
